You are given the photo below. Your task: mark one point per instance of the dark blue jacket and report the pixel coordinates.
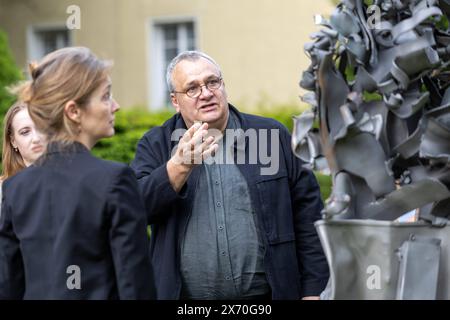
(286, 203)
(72, 209)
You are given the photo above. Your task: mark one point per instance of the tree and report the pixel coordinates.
(9, 74)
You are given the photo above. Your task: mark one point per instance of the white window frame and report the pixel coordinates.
(155, 58)
(34, 51)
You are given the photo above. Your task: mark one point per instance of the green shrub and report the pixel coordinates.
(9, 74)
(131, 125)
(325, 185)
(282, 113)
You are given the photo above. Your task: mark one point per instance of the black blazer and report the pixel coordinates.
(73, 227)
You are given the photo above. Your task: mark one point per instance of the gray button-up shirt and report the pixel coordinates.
(221, 251)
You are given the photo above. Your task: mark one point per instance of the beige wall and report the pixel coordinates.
(258, 43)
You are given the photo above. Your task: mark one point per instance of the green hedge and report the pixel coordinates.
(325, 184)
(9, 74)
(131, 124)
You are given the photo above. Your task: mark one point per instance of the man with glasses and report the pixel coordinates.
(221, 229)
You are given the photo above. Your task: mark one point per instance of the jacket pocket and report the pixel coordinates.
(276, 215)
(282, 238)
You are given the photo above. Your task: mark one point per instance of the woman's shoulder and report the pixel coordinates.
(21, 177)
(111, 175)
(108, 165)
(101, 168)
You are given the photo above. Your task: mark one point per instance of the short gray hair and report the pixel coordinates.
(186, 55)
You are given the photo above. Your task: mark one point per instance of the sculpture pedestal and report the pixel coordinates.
(385, 260)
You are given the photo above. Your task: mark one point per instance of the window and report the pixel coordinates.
(43, 40)
(169, 39)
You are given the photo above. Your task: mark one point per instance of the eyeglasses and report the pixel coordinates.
(195, 91)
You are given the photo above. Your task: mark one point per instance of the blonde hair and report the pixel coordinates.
(12, 161)
(68, 74)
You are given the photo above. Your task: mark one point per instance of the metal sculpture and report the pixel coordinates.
(379, 123)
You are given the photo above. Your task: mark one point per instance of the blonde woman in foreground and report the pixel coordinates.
(73, 226)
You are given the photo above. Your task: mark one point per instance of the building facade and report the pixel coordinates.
(258, 43)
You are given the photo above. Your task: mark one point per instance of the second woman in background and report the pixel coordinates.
(22, 143)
